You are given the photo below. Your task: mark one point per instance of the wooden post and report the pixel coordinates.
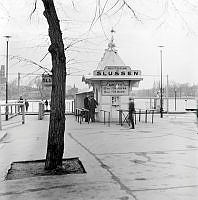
(139, 115)
(72, 106)
(109, 120)
(152, 116)
(0, 119)
(146, 116)
(23, 114)
(121, 117)
(104, 117)
(80, 116)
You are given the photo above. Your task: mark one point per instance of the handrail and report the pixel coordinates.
(137, 112)
(15, 104)
(105, 111)
(79, 116)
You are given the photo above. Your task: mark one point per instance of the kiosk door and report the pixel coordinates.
(115, 105)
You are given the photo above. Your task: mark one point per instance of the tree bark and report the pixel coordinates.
(55, 147)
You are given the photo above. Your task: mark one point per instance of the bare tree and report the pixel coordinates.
(55, 147)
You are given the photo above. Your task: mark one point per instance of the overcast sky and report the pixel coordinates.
(172, 23)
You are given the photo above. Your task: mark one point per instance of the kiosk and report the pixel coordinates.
(112, 83)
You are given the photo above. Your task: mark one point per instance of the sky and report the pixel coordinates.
(171, 23)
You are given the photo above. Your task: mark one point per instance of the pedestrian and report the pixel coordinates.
(26, 105)
(20, 101)
(46, 104)
(131, 113)
(87, 107)
(93, 105)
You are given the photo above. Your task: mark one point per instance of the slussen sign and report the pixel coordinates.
(117, 71)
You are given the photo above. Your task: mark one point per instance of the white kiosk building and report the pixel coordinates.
(112, 83)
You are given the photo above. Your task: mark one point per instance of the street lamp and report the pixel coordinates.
(7, 110)
(175, 99)
(161, 100)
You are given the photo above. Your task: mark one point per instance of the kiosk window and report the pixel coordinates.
(115, 100)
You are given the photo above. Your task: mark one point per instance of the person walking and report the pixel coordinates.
(46, 104)
(26, 105)
(87, 106)
(21, 106)
(131, 113)
(93, 105)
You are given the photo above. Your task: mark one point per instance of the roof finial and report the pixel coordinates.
(111, 45)
(112, 32)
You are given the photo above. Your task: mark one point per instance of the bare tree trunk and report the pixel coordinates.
(56, 131)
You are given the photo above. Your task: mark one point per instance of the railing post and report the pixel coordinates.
(76, 113)
(152, 116)
(104, 117)
(109, 120)
(146, 116)
(139, 115)
(0, 119)
(23, 114)
(135, 116)
(80, 116)
(72, 106)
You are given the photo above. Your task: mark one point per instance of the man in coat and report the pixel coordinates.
(87, 106)
(131, 112)
(93, 105)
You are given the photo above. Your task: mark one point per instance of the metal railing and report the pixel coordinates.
(104, 117)
(80, 114)
(123, 115)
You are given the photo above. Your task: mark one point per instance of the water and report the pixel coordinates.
(34, 106)
(181, 105)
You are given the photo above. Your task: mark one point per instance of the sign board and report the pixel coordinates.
(47, 80)
(117, 71)
(115, 88)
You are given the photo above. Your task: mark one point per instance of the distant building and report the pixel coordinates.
(2, 74)
(71, 92)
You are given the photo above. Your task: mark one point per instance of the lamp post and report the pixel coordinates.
(175, 99)
(161, 87)
(7, 110)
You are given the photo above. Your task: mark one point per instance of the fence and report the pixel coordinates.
(19, 108)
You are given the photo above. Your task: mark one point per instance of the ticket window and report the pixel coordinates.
(115, 101)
